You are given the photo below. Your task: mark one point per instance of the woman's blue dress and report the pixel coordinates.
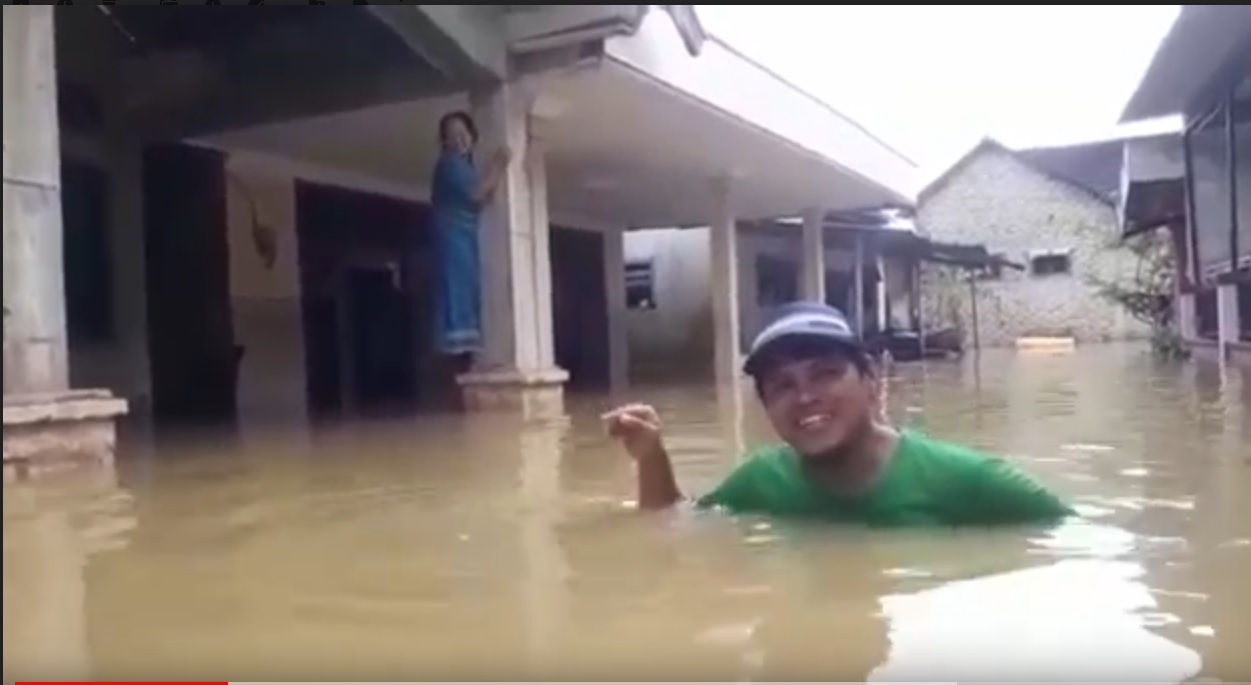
(456, 216)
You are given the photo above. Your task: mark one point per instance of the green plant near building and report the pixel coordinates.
(1149, 295)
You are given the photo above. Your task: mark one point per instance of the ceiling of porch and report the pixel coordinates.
(622, 151)
(194, 70)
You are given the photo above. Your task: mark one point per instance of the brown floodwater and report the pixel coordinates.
(475, 548)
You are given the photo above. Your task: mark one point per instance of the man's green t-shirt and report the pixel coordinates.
(926, 483)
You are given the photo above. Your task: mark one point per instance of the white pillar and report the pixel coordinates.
(539, 257)
(1227, 324)
(1187, 326)
(518, 349)
(507, 232)
(615, 306)
(723, 236)
(35, 352)
(813, 280)
(880, 267)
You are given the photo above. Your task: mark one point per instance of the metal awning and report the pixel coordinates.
(951, 254)
(894, 231)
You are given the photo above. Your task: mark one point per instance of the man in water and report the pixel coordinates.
(838, 461)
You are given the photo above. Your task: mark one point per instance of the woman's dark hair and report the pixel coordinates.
(465, 120)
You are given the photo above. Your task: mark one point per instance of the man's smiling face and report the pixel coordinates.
(817, 395)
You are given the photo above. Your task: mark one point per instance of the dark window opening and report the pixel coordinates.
(1244, 311)
(1205, 314)
(1050, 265)
(777, 280)
(640, 285)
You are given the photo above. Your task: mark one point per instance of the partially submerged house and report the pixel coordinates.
(1197, 185)
(218, 214)
(867, 262)
(1051, 210)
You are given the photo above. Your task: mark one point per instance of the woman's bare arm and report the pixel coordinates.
(490, 181)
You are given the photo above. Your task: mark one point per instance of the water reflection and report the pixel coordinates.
(475, 548)
(49, 534)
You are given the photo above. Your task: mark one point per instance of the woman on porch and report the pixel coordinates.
(459, 192)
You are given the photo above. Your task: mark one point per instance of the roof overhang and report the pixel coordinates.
(1152, 184)
(1205, 41)
(728, 82)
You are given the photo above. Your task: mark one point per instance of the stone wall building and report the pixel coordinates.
(1051, 211)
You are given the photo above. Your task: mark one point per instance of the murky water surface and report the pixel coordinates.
(469, 548)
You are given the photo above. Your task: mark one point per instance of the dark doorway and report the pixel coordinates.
(190, 334)
(838, 291)
(381, 340)
(85, 248)
(579, 306)
(367, 297)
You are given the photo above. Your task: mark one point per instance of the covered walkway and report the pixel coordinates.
(646, 135)
(226, 140)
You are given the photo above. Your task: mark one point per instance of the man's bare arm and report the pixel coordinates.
(657, 486)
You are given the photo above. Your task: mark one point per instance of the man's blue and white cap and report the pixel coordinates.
(802, 320)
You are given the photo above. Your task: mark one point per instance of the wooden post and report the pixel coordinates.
(918, 306)
(977, 342)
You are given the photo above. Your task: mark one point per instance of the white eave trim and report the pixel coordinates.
(727, 81)
(555, 26)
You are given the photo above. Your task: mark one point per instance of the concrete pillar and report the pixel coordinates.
(1187, 324)
(35, 352)
(812, 282)
(516, 368)
(723, 238)
(1227, 324)
(46, 426)
(615, 306)
(544, 340)
(883, 310)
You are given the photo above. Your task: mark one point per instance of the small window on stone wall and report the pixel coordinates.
(1057, 263)
(640, 285)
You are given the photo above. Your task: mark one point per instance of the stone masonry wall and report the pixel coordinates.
(1013, 209)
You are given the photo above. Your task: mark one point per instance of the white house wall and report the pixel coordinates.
(677, 334)
(679, 329)
(265, 302)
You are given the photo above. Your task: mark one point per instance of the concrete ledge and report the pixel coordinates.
(52, 432)
(535, 394)
(1208, 349)
(1240, 354)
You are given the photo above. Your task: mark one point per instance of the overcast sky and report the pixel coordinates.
(933, 79)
